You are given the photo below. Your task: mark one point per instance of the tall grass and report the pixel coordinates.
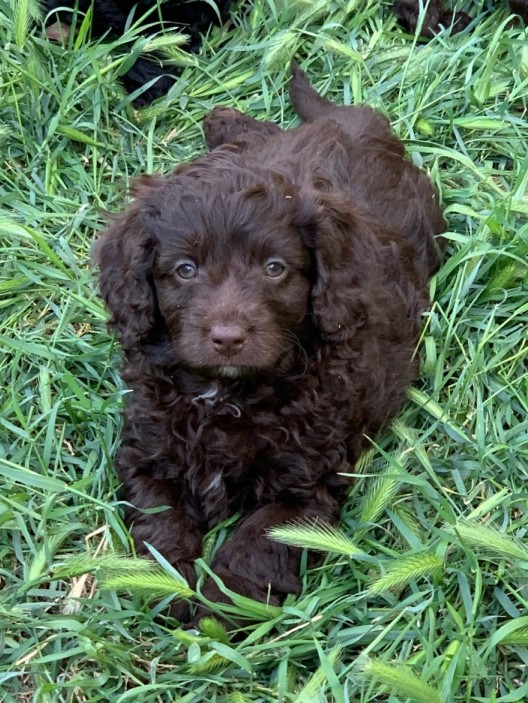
(423, 593)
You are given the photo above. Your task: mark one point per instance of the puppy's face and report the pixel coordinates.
(231, 276)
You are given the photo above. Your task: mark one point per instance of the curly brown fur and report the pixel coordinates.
(437, 16)
(268, 299)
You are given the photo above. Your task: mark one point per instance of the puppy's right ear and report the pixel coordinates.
(346, 265)
(125, 254)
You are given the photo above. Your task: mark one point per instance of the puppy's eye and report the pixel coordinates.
(274, 269)
(186, 270)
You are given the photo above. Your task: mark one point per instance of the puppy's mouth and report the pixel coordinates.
(231, 372)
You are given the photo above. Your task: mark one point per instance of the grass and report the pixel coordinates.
(423, 595)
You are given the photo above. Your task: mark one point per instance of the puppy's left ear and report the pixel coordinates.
(346, 265)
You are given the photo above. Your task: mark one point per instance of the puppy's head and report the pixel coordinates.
(212, 273)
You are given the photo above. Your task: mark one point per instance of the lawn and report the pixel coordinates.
(423, 593)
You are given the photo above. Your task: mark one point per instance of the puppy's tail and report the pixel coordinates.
(308, 104)
(359, 122)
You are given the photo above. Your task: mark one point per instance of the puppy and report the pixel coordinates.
(408, 13)
(113, 16)
(268, 298)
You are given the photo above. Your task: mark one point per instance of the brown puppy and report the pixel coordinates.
(112, 17)
(436, 16)
(268, 299)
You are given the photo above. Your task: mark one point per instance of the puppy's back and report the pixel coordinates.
(375, 173)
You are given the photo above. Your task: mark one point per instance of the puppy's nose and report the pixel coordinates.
(228, 339)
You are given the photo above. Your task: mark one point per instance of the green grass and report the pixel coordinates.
(424, 596)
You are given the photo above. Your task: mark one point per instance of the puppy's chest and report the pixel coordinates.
(225, 437)
(218, 442)
(227, 434)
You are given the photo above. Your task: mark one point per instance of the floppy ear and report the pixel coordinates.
(125, 254)
(347, 266)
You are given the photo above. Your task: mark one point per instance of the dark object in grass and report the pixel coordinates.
(437, 16)
(268, 299)
(113, 16)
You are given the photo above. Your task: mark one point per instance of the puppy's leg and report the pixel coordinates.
(228, 126)
(408, 13)
(257, 567)
(172, 531)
